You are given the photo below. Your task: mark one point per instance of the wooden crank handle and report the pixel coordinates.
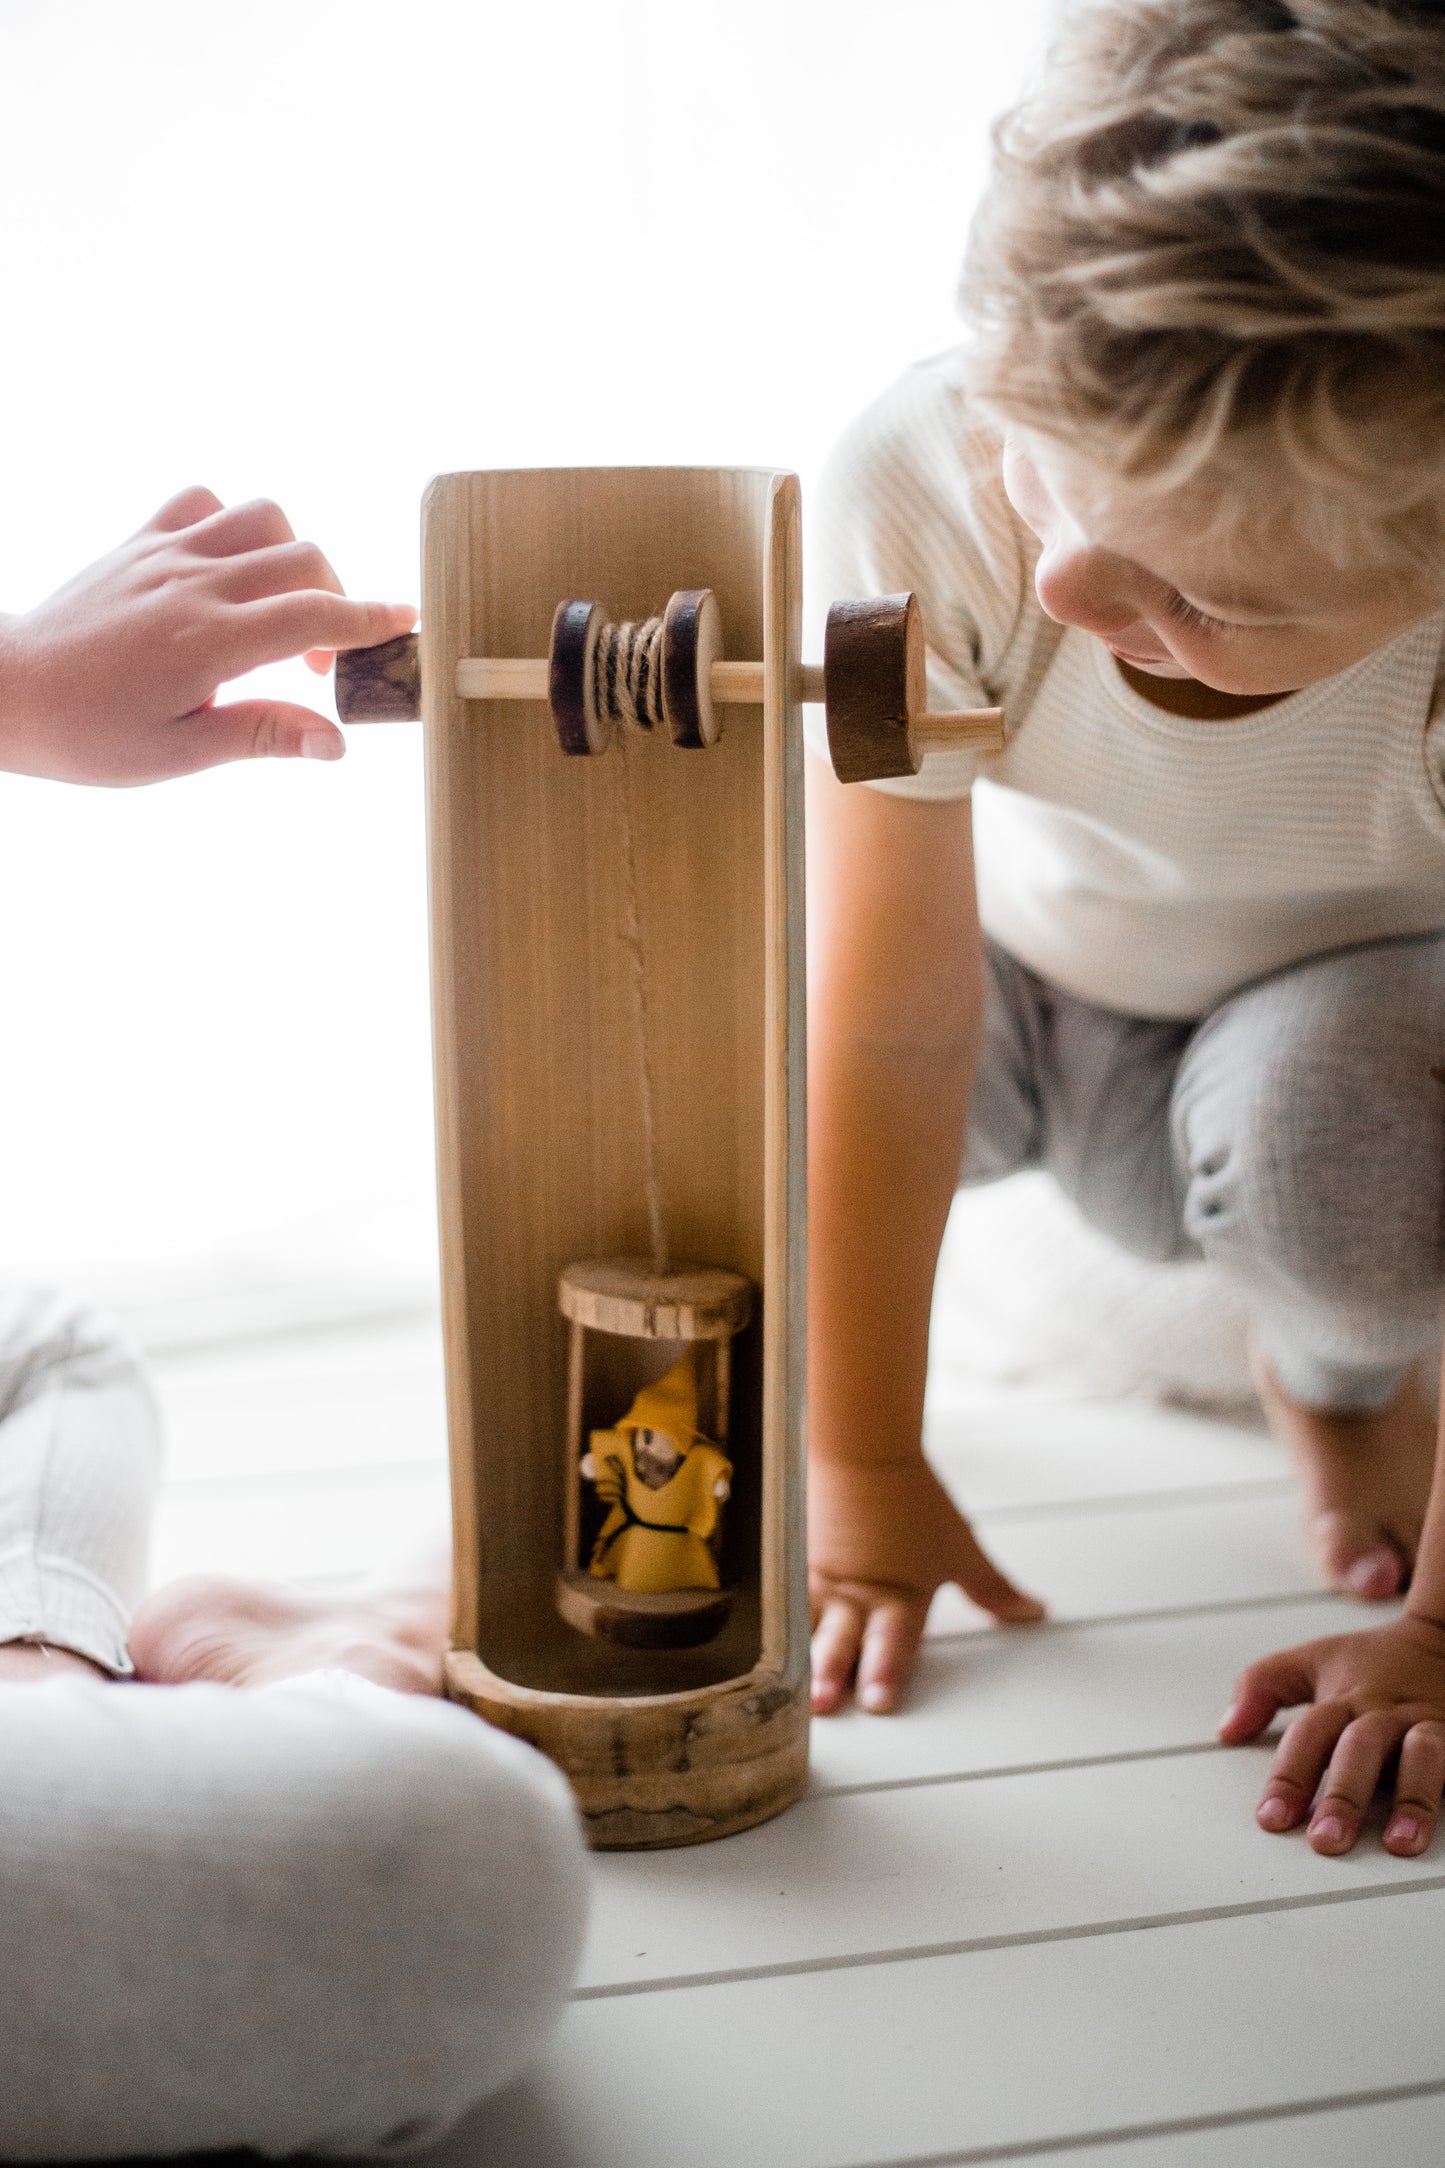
(380, 684)
(876, 690)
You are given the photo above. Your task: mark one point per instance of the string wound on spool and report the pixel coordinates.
(604, 677)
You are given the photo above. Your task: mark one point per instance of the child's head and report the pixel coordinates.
(1208, 296)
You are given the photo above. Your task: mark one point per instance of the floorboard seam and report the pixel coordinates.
(1015, 1769)
(1218, 1607)
(1242, 1491)
(979, 2156)
(1033, 1938)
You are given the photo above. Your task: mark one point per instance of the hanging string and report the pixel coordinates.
(629, 673)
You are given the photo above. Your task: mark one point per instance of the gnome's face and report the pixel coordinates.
(655, 1456)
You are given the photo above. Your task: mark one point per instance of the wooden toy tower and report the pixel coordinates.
(616, 852)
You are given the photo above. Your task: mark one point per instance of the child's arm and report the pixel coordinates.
(1372, 1694)
(894, 1001)
(111, 679)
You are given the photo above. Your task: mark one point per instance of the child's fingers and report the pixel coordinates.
(1360, 1754)
(251, 730)
(1299, 1764)
(234, 528)
(284, 625)
(890, 1645)
(983, 1584)
(284, 569)
(836, 1642)
(320, 659)
(185, 509)
(1262, 1690)
(1419, 1785)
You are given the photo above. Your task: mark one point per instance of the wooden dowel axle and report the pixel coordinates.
(524, 677)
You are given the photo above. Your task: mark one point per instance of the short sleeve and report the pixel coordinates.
(913, 499)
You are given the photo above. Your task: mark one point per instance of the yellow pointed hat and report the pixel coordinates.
(670, 1404)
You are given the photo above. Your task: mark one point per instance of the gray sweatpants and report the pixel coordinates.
(318, 1917)
(1295, 1137)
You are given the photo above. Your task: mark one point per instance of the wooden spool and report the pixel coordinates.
(541, 1144)
(627, 1299)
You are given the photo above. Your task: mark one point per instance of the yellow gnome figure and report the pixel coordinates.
(665, 1485)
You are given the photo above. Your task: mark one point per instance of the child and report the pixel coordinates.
(1180, 508)
(321, 1917)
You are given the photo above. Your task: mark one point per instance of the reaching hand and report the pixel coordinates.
(1378, 1698)
(882, 1538)
(111, 680)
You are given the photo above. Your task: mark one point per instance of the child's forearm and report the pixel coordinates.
(894, 1009)
(886, 1142)
(1426, 1599)
(15, 702)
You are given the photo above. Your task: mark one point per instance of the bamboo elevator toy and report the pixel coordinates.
(609, 671)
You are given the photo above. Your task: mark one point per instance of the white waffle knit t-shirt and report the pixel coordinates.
(1136, 859)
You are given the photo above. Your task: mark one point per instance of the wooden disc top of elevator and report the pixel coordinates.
(626, 1295)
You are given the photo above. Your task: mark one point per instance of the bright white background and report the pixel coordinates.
(320, 250)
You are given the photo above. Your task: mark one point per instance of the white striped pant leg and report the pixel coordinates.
(79, 1463)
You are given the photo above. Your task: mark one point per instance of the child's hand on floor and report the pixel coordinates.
(881, 1538)
(111, 680)
(1374, 1695)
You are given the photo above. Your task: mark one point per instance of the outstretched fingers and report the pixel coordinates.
(187, 508)
(983, 1584)
(837, 1640)
(1301, 1761)
(282, 568)
(1419, 1785)
(1355, 1768)
(249, 730)
(274, 629)
(890, 1645)
(1260, 1692)
(233, 529)
(870, 1636)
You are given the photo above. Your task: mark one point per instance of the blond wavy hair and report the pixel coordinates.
(1214, 245)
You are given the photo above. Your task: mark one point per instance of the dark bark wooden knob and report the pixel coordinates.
(582, 726)
(875, 680)
(692, 641)
(380, 684)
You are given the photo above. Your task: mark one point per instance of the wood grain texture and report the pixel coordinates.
(678, 1618)
(540, 1142)
(626, 1295)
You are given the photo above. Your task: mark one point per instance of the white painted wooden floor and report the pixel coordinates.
(1030, 1920)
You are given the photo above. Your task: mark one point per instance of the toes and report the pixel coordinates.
(195, 1628)
(1375, 1577)
(167, 1627)
(1357, 1559)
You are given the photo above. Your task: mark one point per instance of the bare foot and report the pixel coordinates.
(1365, 1478)
(31, 1663)
(246, 1633)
